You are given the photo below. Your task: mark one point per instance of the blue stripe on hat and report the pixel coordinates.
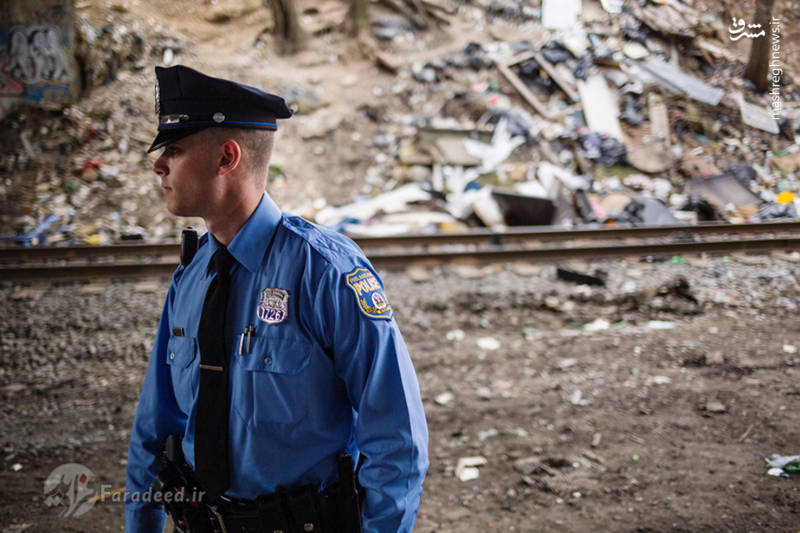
(211, 122)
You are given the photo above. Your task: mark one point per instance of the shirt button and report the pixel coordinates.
(268, 360)
(172, 355)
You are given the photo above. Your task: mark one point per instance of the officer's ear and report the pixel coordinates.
(230, 156)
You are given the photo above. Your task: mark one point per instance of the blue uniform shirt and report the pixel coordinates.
(327, 371)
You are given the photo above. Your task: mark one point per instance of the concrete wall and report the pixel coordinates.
(37, 53)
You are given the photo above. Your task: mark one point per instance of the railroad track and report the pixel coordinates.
(534, 244)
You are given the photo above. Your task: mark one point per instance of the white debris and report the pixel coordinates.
(467, 467)
(660, 324)
(612, 6)
(548, 174)
(660, 380)
(455, 335)
(390, 202)
(488, 343)
(635, 50)
(560, 14)
(789, 348)
(491, 432)
(577, 398)
(600, 106)
(491, 155)
(444, 398)
(597, 325)
(628, 287)
(16, 467)
(567, 363)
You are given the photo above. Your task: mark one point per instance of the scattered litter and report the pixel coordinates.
(560, 14)
(598, 324)
(567, 363)
(660, 380)
(488, 343)
(607, 151)
(789, 348)
(757, 116)
(612, 6)
(774, 211)
(723, 190)
(455, 335)
(777, 472)
(660, 324)
(467, 467)
(679, 81)
(444, 398)
(522, 209)
(598, 279)
(783, 465)
(390, 202)
(600, 106)
(16, 467)
(531, 334)
(489, 433)
(715, 407)
(491, 155)
(577, 399)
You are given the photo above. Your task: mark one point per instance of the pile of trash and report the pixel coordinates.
(611, 113)
(629, 113)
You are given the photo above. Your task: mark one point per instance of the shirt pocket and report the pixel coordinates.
(181, 352)
(272, 388)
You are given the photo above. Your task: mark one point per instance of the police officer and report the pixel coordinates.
(277, 351)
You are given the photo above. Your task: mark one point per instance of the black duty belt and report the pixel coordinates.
(288, 510)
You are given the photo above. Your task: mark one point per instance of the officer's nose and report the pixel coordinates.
(159, 167)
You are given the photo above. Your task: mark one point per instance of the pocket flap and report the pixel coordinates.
(277, 355)
(180, 351)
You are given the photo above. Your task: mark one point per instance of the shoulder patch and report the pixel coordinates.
(369, 293)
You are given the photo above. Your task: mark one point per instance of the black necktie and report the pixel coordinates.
(211, 417)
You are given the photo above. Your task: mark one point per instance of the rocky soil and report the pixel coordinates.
(645, 405)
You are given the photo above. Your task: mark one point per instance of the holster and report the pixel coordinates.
(181, 495)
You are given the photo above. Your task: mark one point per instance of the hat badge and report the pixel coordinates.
(218, 117)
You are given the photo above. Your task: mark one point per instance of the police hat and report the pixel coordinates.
(188, 101)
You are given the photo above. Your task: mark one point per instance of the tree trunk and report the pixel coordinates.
(758, 65)
(288, 33)
(358, 17)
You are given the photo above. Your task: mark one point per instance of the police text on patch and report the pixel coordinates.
(369, 293)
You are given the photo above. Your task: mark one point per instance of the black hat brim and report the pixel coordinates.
(164, 137)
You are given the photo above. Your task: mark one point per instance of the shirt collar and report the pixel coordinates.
(251, 242)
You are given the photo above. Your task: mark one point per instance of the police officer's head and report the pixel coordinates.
(189, 102)
(216, 134)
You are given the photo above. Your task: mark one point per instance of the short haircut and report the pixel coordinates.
(256, 146)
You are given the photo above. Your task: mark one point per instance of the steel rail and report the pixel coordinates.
(547, 233)
(488, 237)
(392, 260)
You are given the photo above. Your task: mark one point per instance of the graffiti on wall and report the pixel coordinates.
(35, 64)
(36, 54)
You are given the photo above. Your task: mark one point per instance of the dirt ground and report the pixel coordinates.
(668, 432)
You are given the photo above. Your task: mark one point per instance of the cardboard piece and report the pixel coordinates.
(600, 107)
